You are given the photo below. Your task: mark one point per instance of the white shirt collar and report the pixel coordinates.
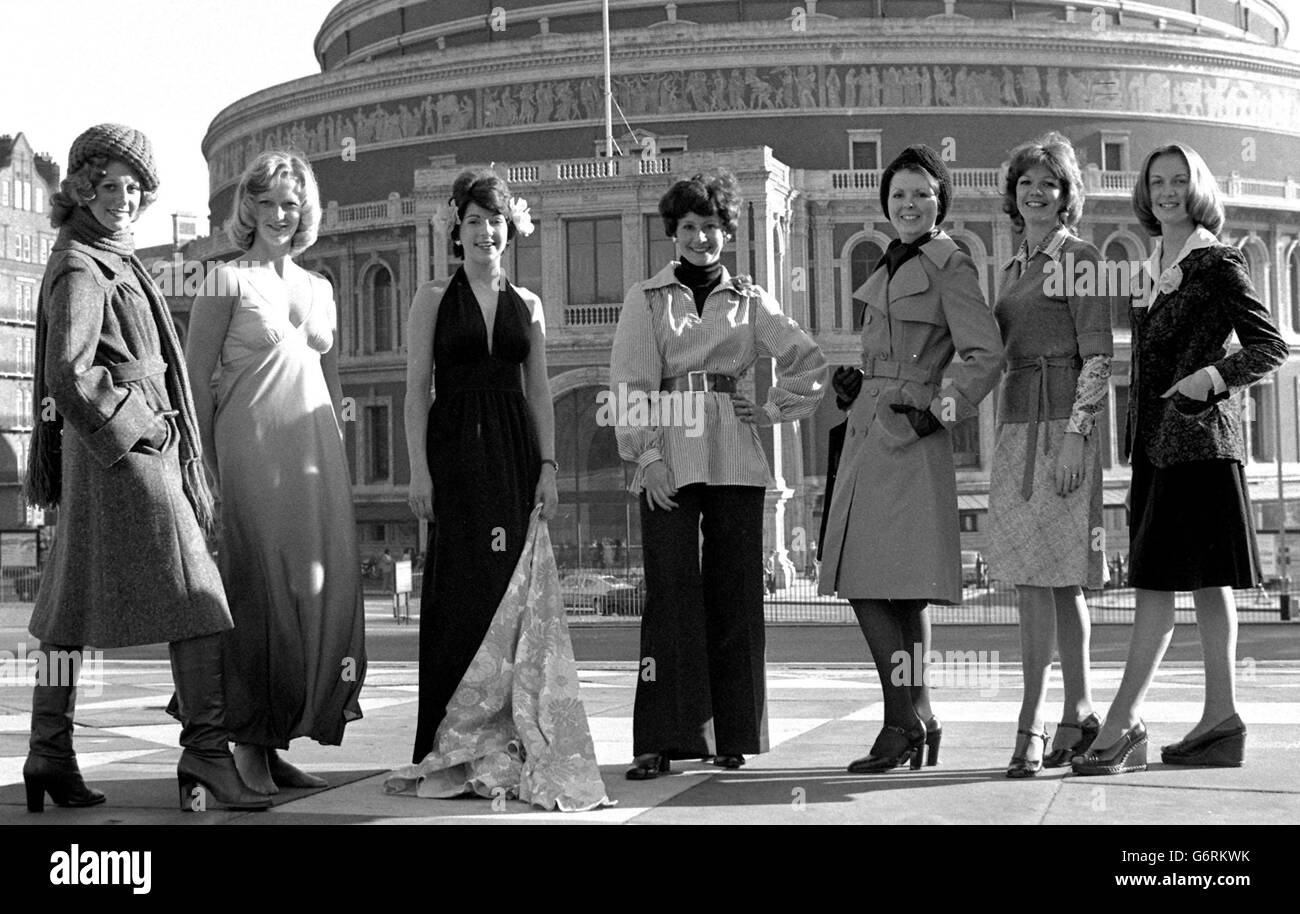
(1201, 237)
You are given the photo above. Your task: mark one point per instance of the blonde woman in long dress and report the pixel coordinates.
(264, 368)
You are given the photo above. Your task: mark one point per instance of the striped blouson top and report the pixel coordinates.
(660, 335)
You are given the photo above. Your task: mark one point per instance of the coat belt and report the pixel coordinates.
(126, 372)
(1038, 408)
(882, 368)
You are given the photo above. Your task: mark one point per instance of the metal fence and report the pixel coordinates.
(998, 604)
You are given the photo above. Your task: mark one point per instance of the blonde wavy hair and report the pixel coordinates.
(263, 173)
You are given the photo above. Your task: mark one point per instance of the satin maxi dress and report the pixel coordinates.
(296, 658)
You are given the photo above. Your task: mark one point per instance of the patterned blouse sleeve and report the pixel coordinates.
(1095, 341)
(1090, 394)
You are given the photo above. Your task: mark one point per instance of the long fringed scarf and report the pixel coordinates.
(44, 462)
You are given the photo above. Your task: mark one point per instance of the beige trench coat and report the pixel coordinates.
(892, 530)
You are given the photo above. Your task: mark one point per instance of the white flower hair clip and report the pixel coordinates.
(521, 216)
(446, 217)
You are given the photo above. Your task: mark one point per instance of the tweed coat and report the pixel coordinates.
(129, 563)
(892, 531)
(1184, 331)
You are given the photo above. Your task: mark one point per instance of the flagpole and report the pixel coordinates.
(609, 89)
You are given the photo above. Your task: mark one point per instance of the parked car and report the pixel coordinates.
(582, 589)
(626, 599)
(974, 570)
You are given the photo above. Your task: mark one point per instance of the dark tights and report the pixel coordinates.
(898, 629)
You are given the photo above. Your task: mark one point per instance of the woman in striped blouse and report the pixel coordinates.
(685, 343)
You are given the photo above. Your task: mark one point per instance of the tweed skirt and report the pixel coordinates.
(1048, 540)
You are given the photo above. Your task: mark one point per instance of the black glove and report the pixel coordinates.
(847, 384)
(923, 421)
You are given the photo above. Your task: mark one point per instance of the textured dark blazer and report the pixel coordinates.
(1184, 331)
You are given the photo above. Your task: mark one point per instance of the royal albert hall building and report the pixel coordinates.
(804, 102)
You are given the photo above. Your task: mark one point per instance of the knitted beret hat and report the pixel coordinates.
(927, 160)
(117, 142)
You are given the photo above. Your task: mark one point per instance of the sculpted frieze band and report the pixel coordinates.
(803, 87)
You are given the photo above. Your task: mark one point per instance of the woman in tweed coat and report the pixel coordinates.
(1190, 518)
(116, 450)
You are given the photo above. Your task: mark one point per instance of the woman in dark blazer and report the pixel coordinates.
(1190, 518)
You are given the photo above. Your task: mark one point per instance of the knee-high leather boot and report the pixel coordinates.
(201, 706)
(51, 765)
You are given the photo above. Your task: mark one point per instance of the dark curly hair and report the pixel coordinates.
(486, 188)
(706, 194)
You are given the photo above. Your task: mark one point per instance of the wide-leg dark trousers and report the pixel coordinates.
(701, 689)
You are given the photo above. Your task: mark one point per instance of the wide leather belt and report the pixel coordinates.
(126, 372)
(700, 382)
(882, 368)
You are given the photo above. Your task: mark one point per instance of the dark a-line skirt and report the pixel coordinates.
(1191, 526)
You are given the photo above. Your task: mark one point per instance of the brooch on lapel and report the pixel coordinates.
(1170, 280)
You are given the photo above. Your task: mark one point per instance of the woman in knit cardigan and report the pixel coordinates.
(116, 450)
(1045, 491)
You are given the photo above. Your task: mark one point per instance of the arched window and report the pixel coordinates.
(1118, 252)
(380, 289)
(1256, 258)
(596, 526)
(1293, 283)
(862, 262)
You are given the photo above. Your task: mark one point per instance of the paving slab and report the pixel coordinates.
(819, 718)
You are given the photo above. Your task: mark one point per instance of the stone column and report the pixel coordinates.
(827, 293)
(423, 233)
(347, 282)
(554, 294)
(800, 304)
(633, 244)
(772, 241)
(440, 262)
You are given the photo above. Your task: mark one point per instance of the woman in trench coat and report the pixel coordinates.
(892, 544)
(116, 449)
